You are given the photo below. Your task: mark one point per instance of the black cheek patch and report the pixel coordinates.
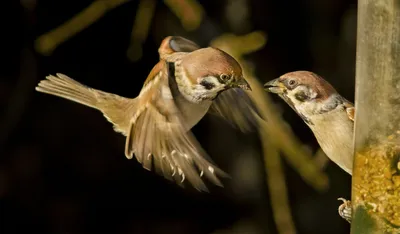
(207, 85)
(301, 96)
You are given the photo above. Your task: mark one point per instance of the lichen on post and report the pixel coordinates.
(376, 175)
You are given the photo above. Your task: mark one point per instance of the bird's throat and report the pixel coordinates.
(291, 104)
(192, 112)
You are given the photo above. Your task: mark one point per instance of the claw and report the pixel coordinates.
(148, 156)
(345, 210)
(342, 199)
(201, 173)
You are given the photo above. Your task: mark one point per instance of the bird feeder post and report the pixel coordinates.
(376, 173)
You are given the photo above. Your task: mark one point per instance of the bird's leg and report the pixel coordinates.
(345, 209)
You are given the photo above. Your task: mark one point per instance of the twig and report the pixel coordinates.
(140, 29)
(277, 188)
(188, 11)
(46, 43)
(277, 129)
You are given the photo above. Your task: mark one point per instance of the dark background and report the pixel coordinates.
(62, 168)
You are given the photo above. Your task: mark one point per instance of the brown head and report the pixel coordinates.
(214, 68)
(306, 85)
(205, 73)
(301, 90)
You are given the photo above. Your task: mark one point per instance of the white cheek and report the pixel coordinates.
(312, 94)
(201, 93)
(210, 79)
(306, 107)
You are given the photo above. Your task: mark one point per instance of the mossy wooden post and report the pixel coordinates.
(376, 175)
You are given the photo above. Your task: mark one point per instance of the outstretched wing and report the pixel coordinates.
(236, 107)
(161, 141)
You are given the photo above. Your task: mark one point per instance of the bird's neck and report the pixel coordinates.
(310, 109)
(191, 111)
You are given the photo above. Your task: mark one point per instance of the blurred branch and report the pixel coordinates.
(140, 29)
(320, 159)
(251, 42)
(189, 12)
(46, 43)
(277, 129)
(278, 190)
(275, 133)
(237, 13)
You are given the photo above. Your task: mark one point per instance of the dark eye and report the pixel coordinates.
(224, 77)
(292, 82)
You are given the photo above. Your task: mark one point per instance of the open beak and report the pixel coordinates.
(242, 83)
(274, 86)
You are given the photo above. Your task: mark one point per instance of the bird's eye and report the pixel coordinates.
(224, 77)
(292, 82)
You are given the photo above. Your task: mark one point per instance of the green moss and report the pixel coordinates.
(362, 222)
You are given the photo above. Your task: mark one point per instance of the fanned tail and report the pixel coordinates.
(65, 87)
(116, 109)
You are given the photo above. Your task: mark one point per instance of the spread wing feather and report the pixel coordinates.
(236, 107)
(159, 139)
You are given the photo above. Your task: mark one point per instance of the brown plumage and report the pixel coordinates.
(329, 115)
(218, 64)
(157, 122)
(321, 86)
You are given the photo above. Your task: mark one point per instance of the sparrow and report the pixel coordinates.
(329, 115)
(182, 87)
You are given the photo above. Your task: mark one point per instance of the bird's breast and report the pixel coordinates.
(192, 112)
(334, 133)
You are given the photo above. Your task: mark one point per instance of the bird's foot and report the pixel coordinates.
(345, 209)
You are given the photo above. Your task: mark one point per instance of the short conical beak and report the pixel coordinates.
(274, 86)
(242, 83)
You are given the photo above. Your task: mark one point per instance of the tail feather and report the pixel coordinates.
(116, 109)
(65, 87)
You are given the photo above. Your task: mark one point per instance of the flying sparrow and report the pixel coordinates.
(178, 92)
(329, 115)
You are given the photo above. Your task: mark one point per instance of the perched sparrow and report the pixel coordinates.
(178, 92)
(329, 115)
